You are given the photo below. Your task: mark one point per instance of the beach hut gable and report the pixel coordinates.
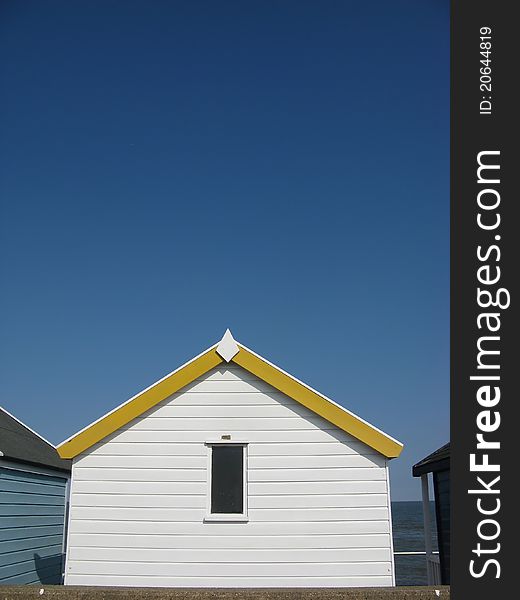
(229, 351)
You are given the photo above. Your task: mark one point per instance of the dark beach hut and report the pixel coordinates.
(438, 464)
(33, 493)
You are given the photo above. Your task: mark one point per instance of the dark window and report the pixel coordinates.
(227, 479)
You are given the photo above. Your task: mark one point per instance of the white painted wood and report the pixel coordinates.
(229, 424)
(282, 488)
(227, 347)
(246, 384)
(200, 529)
(176, 542)
(240, 570)
(144, 462)
(346, 474)
(229, 582)
(318, 504)
(257, 437)
(261, 488)
(318, 501)
(250, 398)
(315, 462)
(102, 513)
(233, 555)
(247, 411)
(140, 501)
(197, 488)
(258, 449)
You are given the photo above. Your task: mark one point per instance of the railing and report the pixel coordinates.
(433, 569)
(433, 565)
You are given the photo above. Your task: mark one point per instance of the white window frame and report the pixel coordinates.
(226, 517)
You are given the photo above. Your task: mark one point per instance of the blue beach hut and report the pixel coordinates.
(33, 500)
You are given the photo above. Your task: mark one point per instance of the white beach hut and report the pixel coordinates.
(229, 472)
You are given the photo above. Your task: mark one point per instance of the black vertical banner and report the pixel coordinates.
(485, 268)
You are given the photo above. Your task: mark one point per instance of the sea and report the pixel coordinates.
(408, 530)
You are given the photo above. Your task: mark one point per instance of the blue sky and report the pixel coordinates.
(170, 169)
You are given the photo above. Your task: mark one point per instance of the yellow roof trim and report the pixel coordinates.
(139, 404)
(253, 363)
(319, 404)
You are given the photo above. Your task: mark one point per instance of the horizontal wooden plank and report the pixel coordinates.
(226, 542)
(201, 461)
(11, 510)
(19, 556)
(19, 475)
(318, 501)
(104, 474)
(331, 447)
(29, 543)
(29, 521)
(250, 397)
(226, 386)
(17, 533)
(315, 462)
(140, 501)
(30, 499)
(256, 436)
(260, 488)
(146, 449)
(256, 555)
(255, 515)
(346, 474)
(143, 487)
(254, 475)
(269, 488)
(230, 529)
(144, 462)
(254, 449)
(15, 485)
(230, 570)
(228, 582)
(103, 513)
(229, 424)
(174, 411)
(318, 514)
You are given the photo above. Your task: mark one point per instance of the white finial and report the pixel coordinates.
(227, 347)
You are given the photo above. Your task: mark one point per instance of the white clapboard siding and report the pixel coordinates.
(233, 555)
(201, 581)
(345, 474)
(120, 474)
(173, 542)
(142, 487)
(318, 513)
(229, 386)
(255, 462)
(317, 501)
(103, 513)
(259, 449)
(192, 501)
(253, 437)
(315, 462)
(261, 488)
(248, 411)
(249, 398)
(146, 462)
(321, 488)
(141, 500)
(277, 531)
(240, 570)
(230, 424)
